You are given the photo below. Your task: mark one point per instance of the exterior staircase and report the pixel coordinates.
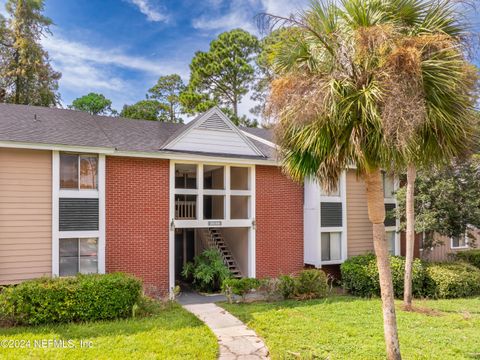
(214, 239)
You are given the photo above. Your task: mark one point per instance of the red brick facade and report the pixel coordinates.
(137, 219)
(279, 219)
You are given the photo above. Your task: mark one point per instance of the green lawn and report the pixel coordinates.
(344, 327)
(173, 333)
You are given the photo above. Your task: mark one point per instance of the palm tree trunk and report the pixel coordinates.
(376, 214)
(410, 235)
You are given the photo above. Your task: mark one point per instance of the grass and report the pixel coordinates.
(172, 333)
(343, 327)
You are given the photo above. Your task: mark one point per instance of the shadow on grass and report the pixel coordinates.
(172, 318)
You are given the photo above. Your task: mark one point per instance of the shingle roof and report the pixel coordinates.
(33, 124)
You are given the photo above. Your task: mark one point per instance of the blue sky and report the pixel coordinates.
(120, 47)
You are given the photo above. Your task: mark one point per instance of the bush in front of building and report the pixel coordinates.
(308, 284)
(240, 287)
(207, 271)
(469, 256)
(71, 299)
(452, 280)
(360, 275)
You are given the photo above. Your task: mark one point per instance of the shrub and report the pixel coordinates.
(360, 275)
(286, 286)
(311, 284)
(207, 271)
(452, 280)
(78, 298)
(240, 287)
(271, 288)
(470, 256)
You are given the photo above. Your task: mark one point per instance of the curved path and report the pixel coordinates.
(236, 340)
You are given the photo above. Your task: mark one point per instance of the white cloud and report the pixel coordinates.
(75, 51)
(241, 13)
(149, 11)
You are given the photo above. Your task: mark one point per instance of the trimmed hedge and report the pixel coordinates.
(435, 280)
(469, 256)
(360, 275)
(240, 287)
(452, 280)
(78, 298)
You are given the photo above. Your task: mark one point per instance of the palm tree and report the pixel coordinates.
(356, 84)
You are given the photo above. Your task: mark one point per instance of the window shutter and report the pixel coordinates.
(78, 214)
(331, 214)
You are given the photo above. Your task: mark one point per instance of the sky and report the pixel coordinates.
(120, 47)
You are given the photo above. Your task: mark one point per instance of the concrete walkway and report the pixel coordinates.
(236, 340)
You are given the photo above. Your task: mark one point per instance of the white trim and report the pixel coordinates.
(102, 240)
(202, 119)
(259, 139)
(57, 147)
(169, 155)
(252, 237)
(55, 212)
(171, 231)
(90, 194)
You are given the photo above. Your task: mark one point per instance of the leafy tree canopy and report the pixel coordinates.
(145, 110)
(26, 76)
(167, 91)
(447, 200)
(222, 75)
(94, 104)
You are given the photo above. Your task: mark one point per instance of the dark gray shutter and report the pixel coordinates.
(390, 219)
(78, 214)
(331, 214)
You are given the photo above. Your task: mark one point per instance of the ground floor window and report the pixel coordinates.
(331, 246)
(391, 237)
(78, 255)
(459, 241)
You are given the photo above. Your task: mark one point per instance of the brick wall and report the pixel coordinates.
(137, 219)
(279, 218)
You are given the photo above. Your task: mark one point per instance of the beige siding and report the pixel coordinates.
(25, 214)
(443, 251)
(359, 228)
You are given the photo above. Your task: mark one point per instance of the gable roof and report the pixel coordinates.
(51, 126)
(212, 132)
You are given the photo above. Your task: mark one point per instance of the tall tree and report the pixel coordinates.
(167, 91)
(94, 104)
(27, 76)
(146, 110)
(340, 80)
(222, 75)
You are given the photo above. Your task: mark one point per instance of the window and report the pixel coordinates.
(185, 207)
(239, 178)
(459, 241)
(78, 171)
(213, 207)
(391, 242)
(239, 206)
(331, 246)
(388, 186)
(213, 177)
(185, 176)
(78, 256)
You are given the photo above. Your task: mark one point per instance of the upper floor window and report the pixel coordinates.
(185, 176)
(388, 186)
(78, 171)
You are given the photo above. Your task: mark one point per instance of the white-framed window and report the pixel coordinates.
(78, 255)
(78, 221)
(78, 171)
(333, 248)
(204, 193)
(392, 241)
(459, 242)
(389, 186)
